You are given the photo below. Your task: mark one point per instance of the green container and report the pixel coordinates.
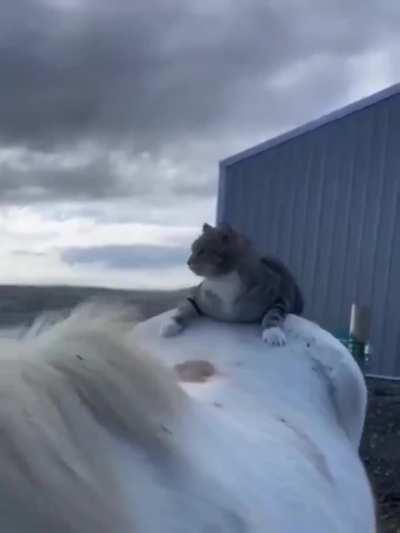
(357, 349)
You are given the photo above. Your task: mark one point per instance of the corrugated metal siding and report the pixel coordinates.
(327, 202)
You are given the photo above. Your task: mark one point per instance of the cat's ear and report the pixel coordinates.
(226, 229)
(207, 228)
(226, 232)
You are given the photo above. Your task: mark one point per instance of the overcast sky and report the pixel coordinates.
(114, 115)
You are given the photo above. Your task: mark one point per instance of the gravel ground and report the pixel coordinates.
(380, 450)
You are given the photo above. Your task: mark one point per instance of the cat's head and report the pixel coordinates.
(217, 251)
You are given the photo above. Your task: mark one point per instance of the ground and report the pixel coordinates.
(380, 450)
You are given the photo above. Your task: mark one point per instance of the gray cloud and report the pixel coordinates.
(38, 180)
(26, 253)
(127, 257)
(28, 176)
(186, 82)
(141, 71)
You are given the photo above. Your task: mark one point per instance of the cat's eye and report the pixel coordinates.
(200, 252)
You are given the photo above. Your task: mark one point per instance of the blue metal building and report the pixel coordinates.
(325, 199)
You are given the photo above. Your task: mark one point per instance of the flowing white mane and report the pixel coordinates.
(109, 428)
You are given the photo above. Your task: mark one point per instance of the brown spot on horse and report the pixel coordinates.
(197, 371)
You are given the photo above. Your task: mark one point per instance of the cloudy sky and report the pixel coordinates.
(114, 115)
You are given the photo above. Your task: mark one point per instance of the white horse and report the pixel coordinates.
(105, 428)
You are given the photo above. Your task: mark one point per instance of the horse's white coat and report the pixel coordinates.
(99, 437)
(282, 424)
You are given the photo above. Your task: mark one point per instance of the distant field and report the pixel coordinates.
(22, 304)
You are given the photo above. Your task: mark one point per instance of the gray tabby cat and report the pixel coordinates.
(239, 286)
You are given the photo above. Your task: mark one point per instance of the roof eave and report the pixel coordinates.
(314, 124)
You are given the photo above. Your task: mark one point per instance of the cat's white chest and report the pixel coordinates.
(227, 288)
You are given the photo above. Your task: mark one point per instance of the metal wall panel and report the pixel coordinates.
(327, 202)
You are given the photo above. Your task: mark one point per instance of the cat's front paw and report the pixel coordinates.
(170, 328)
(274, 336)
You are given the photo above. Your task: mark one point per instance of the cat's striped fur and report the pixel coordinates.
(239, 285)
